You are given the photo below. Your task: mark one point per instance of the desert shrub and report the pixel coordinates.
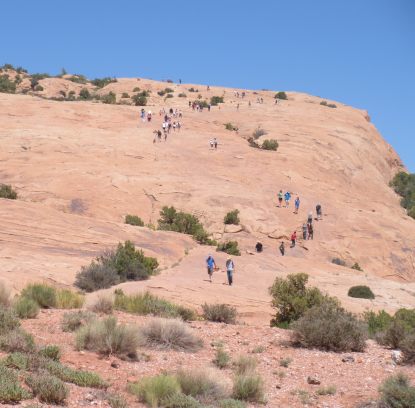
(48, 388)
(204, 384)
(8, 320)
(70, 375)
(25, 308)
(117, 401)
(245, 365)
(258, 349)
(291, 298)
(72, 321)
(146, 303)
(107, 337)
(232, 217)
(404, 184)
(136, 89)
(181, 401)
(68, 299)
(361, 291)
(109, 98)
(230, 126)
(202, 104)
(4, 295)
(182, 95)
(357, 267)
(249, 387)
(125, 263)
(161, 93)
(407, 346)
(101, 82)
(230, 247)
(168, 334)
(38, 88)
(222, 358)
(178, 221)
(11, 392)
(215, 100)
(18, 361)
(71, 96)
(6, 191)
(329, 105)
(125, 95)
(221, 313)
(231, 403)
(396, 392)
(154, 390)
(17, 340)
(285, 362)
(377, 322)
(338, 261)
(269, 144)
(134, 220)
(329, 390)
(44, 295)
(103, 304)
(51, 351)
(280, 95)
(193, 90)
(258, 132)
(6, 85)
(168, 90)
(169, 96)
(329, 327)
(84, 94)
(140, 99)
(78, 79)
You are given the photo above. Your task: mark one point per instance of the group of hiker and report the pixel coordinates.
(287, 197)
(211, 267)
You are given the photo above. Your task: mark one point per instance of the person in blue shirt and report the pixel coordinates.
(297, 205)
(210, 262)
(287, 197)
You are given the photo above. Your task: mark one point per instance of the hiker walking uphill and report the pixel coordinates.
(293, 239)
(280, 197)
(230, 268)
(287, 198)
(282, 248)
(211, 265)
(319, 212)
(297, 205)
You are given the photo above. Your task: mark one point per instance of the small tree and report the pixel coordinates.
(215, 100)
(363, 292)
(84, 94)
(269, 144)
(281, 95)
(6, 191)
(134, 220)
(139, 99)
(109, 98)
(232, 217)
(230, 247)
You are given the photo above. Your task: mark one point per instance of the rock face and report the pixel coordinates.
(80, 167)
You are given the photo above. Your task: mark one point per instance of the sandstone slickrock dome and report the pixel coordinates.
(80, 167)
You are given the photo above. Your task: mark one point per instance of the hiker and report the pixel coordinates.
(149, 116)
(319, 212)
(209, 106)
(293, 239)
(310, 218)
(143, 115)
(297, 205)
(211, 143)
(310, 231)
(280, 195)
(282, 248)
(258, 247)
(210, 262)
(215, 143)
(305, 229)
(180, 81)
(230, 267)
(287, 198)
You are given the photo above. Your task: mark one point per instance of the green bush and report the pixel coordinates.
(215, 100)
(68, 299)
(107, 337)
(134, 220)
(230, 126)
(407, 346)
(357, 267)
(51, 351)
(169, 96)
(154, 390)
(7, 191)
(222, 358)
(8, 320)
(396, 392)
(329, 390)
(140, 99)
(178, 221)
(17, 360)
(203, 384)
(329, 105)
(232, 217)
(404, 184)
(202, 104)
(11, 392)
(123, 264)
(329, 327)
(231, 403)
(161, 93)
(245, 365)
(72, 321)
(38, 88)
(182, 95)
(4, 295)
(17, 340)
(125, 95)
(136, 89)
(249, 387)
(230, 247)
(291, 298)
(258, 132)
(168, 334)
(269, 144)
(280, 95)
(220, 313)
(6, 85)
(116, 401)
(181, 401)
(338, 261)
(285, 362)
(377, 322)
(146, 303)
(78, 79)
(110, 98)
(44, 295)
(85, 95)
(48, 388)
(362, 292)
(101, 82)
(103, 304)
(193, 90)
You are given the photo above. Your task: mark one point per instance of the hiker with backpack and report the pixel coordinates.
(211, 265)
(287, 198)
(319, 212)
(293, 239)
(230, 268)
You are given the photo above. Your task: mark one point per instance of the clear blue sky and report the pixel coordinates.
(360, 52)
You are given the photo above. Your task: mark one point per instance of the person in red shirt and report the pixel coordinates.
(293, 239)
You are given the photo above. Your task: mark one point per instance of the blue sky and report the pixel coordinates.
(359, 52)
